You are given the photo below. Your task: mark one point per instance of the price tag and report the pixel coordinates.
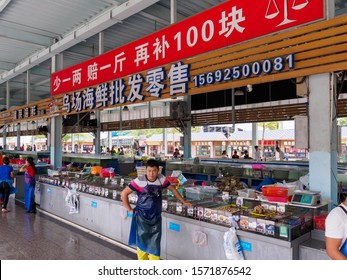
(225, 196)
(239, 201)
(179, 207)
(281, 208)
(164, 205)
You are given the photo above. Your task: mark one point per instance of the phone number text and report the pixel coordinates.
(257, 68)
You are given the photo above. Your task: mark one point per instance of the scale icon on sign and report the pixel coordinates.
(273, 10)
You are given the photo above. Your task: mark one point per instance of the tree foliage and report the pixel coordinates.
(270, 125)
(342, 122)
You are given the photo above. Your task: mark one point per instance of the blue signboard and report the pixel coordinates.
(174, 227)
(94, 204)
(246, 246)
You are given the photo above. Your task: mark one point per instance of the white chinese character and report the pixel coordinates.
(154, 79)
(57, 83)
(141, 54)
(89, 99)
(117, 89)
(26, 112)
(135, 82)
(93, 72)
(20, 113)
(77, 101)
(118, 60)
(179, 77)
(34, 110)
(76, 78)
(66, 103)
(231, 22)
(101, 95)
(160, 47)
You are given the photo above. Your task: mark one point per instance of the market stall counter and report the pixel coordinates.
(270, 235)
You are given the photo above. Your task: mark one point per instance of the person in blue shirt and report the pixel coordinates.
(6, 181)
(139, 152)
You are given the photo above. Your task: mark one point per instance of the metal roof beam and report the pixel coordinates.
(24, 36)
(4, 65)
(160, 10)
(3, 4)
(104, 20)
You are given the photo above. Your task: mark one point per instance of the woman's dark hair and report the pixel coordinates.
(342, 197)
(6, 160)
(30, 160)
(152, 163)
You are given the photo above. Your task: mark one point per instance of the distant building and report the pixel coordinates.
(212, 144)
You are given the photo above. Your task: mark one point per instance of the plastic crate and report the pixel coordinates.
(274, 191)
(279, 198)
(319, 221)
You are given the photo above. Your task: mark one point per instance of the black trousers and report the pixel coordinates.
(5, 191)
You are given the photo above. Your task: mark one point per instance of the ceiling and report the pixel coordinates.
(33, 31)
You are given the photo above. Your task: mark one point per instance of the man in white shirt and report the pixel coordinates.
(336, 231)
(257, 154)
(280, 153)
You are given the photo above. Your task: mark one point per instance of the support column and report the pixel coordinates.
(323, 136)
(4, 133)
(173, 11)
(97, 113)
(55, 131)
(7, 107)
(28, 87)
(254, 137)
(164, 141)
(56, 147)
(98, 133)
(110, 139)
(18, 136)
(187, 140)
(73, 143)
(187, 131)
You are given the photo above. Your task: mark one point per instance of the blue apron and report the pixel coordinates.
(145, 231)
(12, 188)
(29, 192)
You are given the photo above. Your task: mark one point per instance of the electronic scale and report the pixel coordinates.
(306, 198)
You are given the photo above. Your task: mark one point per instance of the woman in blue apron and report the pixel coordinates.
(145, 231)
(29, 185)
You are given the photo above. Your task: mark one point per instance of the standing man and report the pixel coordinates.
(280, 153)
(257, 154)
(145, 229)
